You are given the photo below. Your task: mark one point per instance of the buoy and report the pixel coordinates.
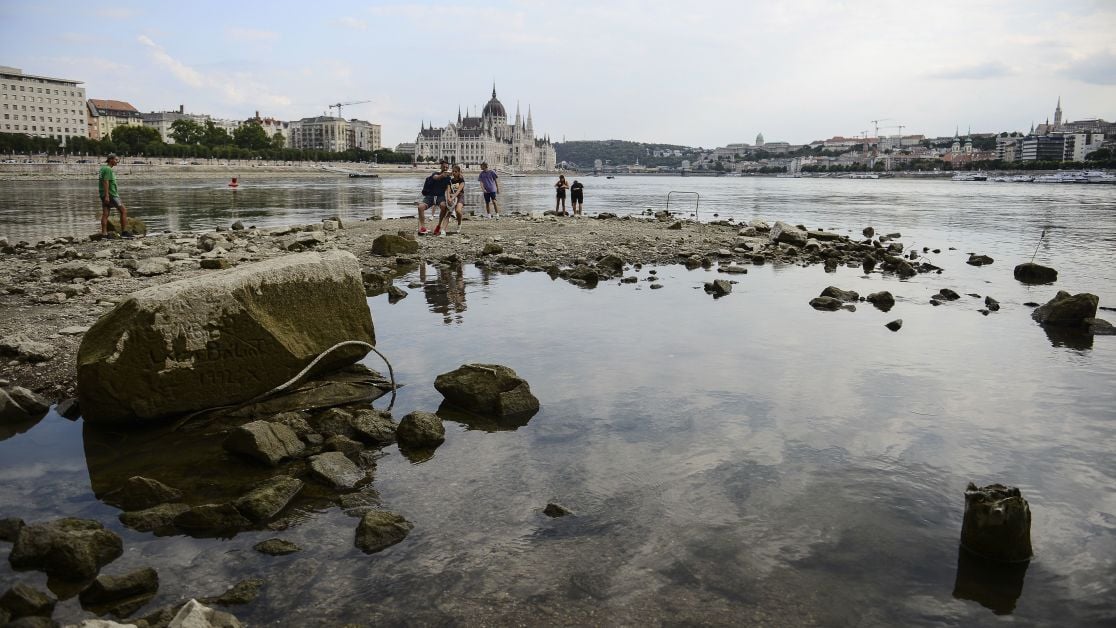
(233, 183)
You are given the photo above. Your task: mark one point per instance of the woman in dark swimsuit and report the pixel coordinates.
(561, 188)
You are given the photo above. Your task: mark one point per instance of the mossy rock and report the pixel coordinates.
(135, 225)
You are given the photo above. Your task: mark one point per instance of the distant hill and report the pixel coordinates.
(620, 153)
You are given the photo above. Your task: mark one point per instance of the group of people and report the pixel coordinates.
(443, 193)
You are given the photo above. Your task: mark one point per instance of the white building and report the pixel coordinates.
(489, 138)
(273, 127)
(334, 134)
(161, 121)
(41, 106)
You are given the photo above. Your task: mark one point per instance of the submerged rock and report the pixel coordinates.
(1067, 310)
(140, 493)
(487, 389)
(120, 595)
(978, 260)
(719, 287)
(242, 592)
(883, 300)
(267, 499)
(68, 549)
(380, 529)
(222, 338)
(212, 520)
(848, 296)
(155, 519)
(421, 430)
(555, 510)
(997, 523)
(264, 441)
(895, 325)
(276, 547)
(194, 614)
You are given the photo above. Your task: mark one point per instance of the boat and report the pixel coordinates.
(610, 177)
(363, 175)
(862, 175)
(970, 176)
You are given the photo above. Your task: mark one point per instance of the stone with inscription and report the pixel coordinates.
(223, 338)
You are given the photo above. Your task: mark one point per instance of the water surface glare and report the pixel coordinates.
(732, 461)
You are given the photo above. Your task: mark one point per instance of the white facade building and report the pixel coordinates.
(489, 138)
(161, 121)
(334, 134)
(41, 106)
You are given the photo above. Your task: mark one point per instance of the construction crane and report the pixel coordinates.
(338, 105)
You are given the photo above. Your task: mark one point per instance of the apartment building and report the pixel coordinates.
(161, 121)
(333, 134)
(106, 115)
(41, 106)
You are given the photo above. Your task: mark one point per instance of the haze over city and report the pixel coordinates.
(698, 74)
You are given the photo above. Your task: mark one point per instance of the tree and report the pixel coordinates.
(134, 139)
(278, 142)
(215, 135)
(251, 135)
(1101, 154)
(186, 131)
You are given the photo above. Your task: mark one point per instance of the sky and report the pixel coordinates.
(704, 73)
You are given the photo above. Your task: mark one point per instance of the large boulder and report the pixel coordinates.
(68, 549)
(388, 245)
(997, 523)
(789, 234)
(489, 389)
(222, 338)
(1067, 310)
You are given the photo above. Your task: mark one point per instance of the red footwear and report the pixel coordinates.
(422, 231)
(438, 230)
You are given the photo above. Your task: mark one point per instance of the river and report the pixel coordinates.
(743, 460)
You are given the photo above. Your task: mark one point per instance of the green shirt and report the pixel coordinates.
(106, 175)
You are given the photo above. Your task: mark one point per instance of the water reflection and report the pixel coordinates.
(995, 586)
(444, 290)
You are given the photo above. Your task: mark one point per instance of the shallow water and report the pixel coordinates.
(732, 461)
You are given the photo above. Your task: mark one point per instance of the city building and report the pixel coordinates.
(1042, 148)
(490, 138)
(333, 134)
(406, 148)
(161, 121)
(42, 106)
(273, 127)
(106, 115)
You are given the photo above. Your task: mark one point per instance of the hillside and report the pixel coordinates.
(620, 152)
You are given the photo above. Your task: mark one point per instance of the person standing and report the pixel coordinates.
(561, 188)
(434, 195)
(455, 200)
(577, 195)
(490, 187)
(110, 197)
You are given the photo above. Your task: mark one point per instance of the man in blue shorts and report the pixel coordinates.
(433, 194)
(110, 197)
(490, 186)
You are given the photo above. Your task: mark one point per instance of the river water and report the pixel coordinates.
(733, 461)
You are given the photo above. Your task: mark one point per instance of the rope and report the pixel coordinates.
(293, 380)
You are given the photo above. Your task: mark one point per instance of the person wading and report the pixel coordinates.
(110, 197)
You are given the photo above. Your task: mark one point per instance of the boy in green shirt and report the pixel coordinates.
(106, 188)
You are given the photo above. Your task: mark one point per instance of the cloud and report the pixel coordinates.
(353, 23)
(1097, 69)
(239, 33)
(184, 73)
(989, 70)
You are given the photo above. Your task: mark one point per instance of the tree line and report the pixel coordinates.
(248, 141)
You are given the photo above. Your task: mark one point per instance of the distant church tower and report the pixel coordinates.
(1058, 114)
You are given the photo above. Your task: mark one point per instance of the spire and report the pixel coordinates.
(493, 89)
(459, 114)
(529, 124)
(1058, 113)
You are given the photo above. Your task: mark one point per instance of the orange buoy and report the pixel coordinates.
(233, 183)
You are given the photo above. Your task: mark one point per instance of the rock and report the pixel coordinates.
(848, 296)
(10, 411)
(676, 225)
(153, 519)
(342, 444)
(140, 493)
(992, 304)
(421, 430)
(895, 325)
(719, 287)
(868, 232)
(373, 426)
(267, 499)
(242, 592)
(1100, 327)
(1031, 273)
(489, 389)
(610, 265)
(946, 294)
(222, 339)
(276, 547)
(135, 225)
(733, 269)
(73, 330)
(237, 226)
(264, 441)
(333, 422)
(883, 300)
(194, 614)
(823, 236)
(335, 470)
(35, 405)
(1067, 310)
(782, 232)
(24, 601)
(491, 248)
(511, 260)
(122, 593)
(9, 529)
(388, 245)
(78, 270)
(68, 549)
(978, 260)
(380, 529)
(69, 408)
(331, 225)
(997, 523)
(25, 350)
(216, 263)
(151, 266)
(396, 293)
(812, 246)
(212, 520)
(826, 303)
(555, 510)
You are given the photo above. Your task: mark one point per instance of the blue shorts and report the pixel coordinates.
(489, 197)
(112, 201)
(431, 201)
